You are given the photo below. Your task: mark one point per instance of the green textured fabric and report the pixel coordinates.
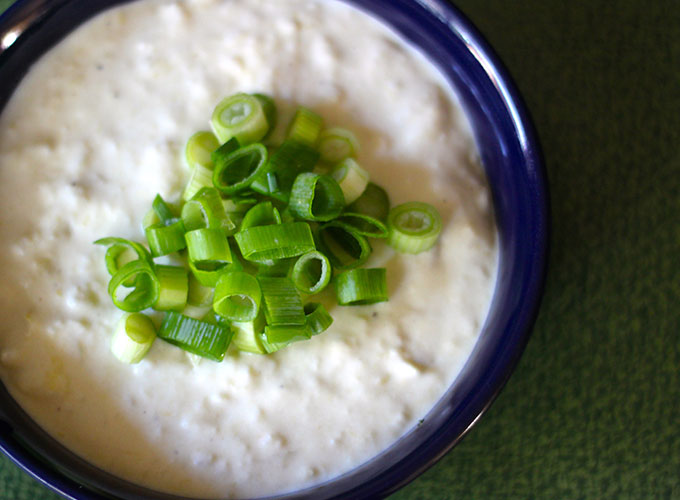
(592, 409)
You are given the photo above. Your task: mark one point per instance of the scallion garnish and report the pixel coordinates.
(197, 337)
(305, 127)
(373, 202)
(133, 337)
(145, 289)
(311, 272)
(165, 239)
(364, 224)
(247, 335)
(281, 301)
(269, 109)
(240, 116)
(336, 144)
(237, 296)
(345, 247)
(237, 170)
(361, 286)
(413, 227)
(276, 337)
(275, 241)
(278, 209)
(174, 288)
(318, 319)
(199, 148)
(352, 179)
(200, 177)
(206, 210)
(316, 197)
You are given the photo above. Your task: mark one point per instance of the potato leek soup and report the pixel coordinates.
(98, 128)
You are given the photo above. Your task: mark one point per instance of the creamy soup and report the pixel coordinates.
(97, 129)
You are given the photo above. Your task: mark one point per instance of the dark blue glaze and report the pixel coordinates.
(513, 163)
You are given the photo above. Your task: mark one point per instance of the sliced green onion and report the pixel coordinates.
(174, 288)
(209, 254)
(236, 171)
(117, 256)
(206, 210)
(197, 337)
(262, 214)
(137, 248)
(373, 202)
(311, 273)
(237, 296)
(276, 337)
(275, 241)
(200, 177)
(146, 286)
(413, 227)
(166, 239)
(352, 179)
(133, 337)
(198, 294)
(240, 116)
(343, 245)
(269, 109)
(247, 335)
(316, 197)
(281, 301)
(285, 164)
(361, 286)
(199, 148)
(364, 224)
(318, 319)
(305, 126)
(218, 155)
(336, 144)
(162, 210)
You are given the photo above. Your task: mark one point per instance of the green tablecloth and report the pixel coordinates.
(592, 410)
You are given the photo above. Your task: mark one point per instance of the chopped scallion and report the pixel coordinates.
(197, 337)
(311, 273)
(240, 116)
(237, 296)
(336, 144)
(275, 241)
(316, 197)
(352, 179)
(199, 148)
(413, 227)
(237, 170)
(343, 245)
(281, 301)
(361, 286)
(305, 126)
(133, 337)
(318, 319)
(174, 288)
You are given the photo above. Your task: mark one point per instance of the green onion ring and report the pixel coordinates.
(361, 286)
(146, 286)
(413, 227)
(311, 272)
(236, 171)
(316, 197)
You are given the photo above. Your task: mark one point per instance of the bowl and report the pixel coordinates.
(512, 160)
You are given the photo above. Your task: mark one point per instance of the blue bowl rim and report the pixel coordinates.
(426, 454)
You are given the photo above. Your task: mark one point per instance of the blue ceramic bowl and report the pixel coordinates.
(512, 159)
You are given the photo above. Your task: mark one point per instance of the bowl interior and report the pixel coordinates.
(512, 160)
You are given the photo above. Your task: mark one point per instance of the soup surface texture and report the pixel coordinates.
(98, 128)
